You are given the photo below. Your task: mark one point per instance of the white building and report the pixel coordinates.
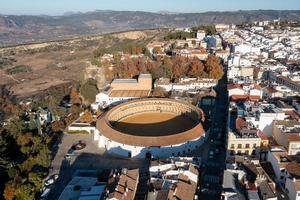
(185, 84)
(122, 90)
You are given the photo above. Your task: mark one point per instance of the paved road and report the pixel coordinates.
(91, 157)
(214, 153)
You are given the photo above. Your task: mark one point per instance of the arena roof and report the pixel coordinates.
(129, 93)
(108, 131)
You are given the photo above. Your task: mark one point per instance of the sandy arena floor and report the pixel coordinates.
(154, 124)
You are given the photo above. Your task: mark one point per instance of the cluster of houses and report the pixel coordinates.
(263, 150)
(165, 179)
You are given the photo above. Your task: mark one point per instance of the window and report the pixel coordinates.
(247, 152)
(247, 146)
(254, 145)
(232, 146)
(239, 146)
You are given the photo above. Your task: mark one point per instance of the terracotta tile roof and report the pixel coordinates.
(297, 185)
(271, 90)
(254, 98)
(294, 169)
(252, 186)
(293, 114)
(256, 86)
(185, 191)
(293, 137)
(129, 93)
(262, 135)
(240, 123)
(288, 123)
(193, 169)
(126, 185)
(239, 97)
(233, 86)
(245, 97)
(184, 178)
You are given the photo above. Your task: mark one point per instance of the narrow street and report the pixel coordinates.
(215, 152)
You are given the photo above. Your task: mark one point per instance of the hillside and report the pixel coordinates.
(29, 29)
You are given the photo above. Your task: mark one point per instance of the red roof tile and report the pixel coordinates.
(262, 135)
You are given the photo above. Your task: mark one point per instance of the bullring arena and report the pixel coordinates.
(151, 128)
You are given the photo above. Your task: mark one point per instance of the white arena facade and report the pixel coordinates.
(151, 128)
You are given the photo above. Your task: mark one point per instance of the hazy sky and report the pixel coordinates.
(57, 7)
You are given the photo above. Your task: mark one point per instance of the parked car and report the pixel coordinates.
(71, 152)
(45, 193)
(79, 145)
(211, 154)
(51, 180)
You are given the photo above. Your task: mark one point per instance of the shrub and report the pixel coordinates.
(18, 69)
(78, 132)
(89, 90)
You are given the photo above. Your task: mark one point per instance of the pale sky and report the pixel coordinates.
(58, 7)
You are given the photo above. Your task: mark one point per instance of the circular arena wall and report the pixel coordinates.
(161, 127)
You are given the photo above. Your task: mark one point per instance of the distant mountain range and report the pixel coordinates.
(20, 29)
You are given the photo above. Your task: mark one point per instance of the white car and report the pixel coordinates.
(45, 193)
(51, 180)
(211, 154)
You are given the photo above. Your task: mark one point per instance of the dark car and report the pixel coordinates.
(79, 145)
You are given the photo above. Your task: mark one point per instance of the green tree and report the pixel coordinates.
(36, 180)
(89, 90)
(25, 192)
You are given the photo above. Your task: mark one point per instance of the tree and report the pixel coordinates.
(74, 95)
(15, 126)
(179, 68)
(58, 126)
(9, 191)
(89, 90)
(87, 117)
(159, 92)
(196, 68)
(156, 50)
(213, 67)
(25, 192)
(36, 180)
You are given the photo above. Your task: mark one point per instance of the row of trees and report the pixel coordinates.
(25, 153)
(182, 35)
(173, 68)
(25, 156)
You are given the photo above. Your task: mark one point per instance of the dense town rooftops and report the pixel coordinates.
(288, 126)
(266, 190)
(123, 185)
(294, 169)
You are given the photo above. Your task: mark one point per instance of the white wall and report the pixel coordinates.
(266, 121)
(276, 167)
(292, 193)
(236, 91)
(114, 147)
